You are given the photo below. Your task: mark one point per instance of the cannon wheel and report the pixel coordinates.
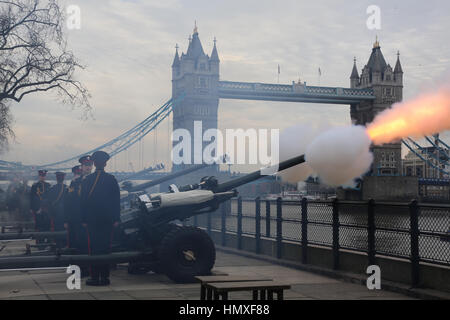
(154, 265)
(187, 252)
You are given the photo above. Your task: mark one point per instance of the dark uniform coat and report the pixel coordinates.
(77, 234)
(56, 196)
(100, 199)
(100, 208)
(38, 202)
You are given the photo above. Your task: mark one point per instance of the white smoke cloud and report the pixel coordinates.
(293, 142)
(340, 155)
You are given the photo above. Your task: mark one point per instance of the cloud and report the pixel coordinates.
(128, 48)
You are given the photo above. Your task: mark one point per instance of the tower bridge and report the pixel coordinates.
(197, 90)
(197, 75)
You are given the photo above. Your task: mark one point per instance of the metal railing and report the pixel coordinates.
(413, 231)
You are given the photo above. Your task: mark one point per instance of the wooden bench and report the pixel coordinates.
(266, 289)
(206, 294)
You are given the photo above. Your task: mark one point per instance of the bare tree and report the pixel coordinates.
(34, 55)
(6, 131)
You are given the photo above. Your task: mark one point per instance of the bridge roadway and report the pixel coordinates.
(51, 285)
(297, 92)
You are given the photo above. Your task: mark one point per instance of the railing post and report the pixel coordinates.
(279, 229)
(371, 232)
(239, 224)
(414, 225)
(304, 230)
(268, 218)
(223, 228)
(258, 225)
(335, 234)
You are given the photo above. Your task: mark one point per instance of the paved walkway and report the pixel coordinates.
(305, 285)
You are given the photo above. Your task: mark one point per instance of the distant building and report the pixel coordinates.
(414, 166)
(316, 189)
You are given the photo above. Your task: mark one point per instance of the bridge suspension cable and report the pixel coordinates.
(429, 154)
(114, 146)
(428, 161)
(436, 145)
(445, 145)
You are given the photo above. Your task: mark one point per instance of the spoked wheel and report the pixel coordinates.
(187, 252)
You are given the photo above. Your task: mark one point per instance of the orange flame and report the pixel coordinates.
(425, 115)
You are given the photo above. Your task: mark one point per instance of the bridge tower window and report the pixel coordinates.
(203, 82)
(419, 171)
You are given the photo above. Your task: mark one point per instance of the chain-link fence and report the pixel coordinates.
(434, 233)
(418, 232)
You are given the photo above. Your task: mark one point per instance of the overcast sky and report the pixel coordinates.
(128, 47)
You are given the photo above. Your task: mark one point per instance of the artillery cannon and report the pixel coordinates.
(150, 239)
(128, 191)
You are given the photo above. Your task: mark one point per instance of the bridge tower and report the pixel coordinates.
(197, 75)
(387, 85)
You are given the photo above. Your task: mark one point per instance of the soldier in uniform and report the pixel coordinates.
(38, 202)
(56, 196)
(76, 233)
(76, 171)
(72, 212)
(100, 207)
(86, 165)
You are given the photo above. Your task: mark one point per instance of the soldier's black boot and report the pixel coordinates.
(84, 272)
(94, 280)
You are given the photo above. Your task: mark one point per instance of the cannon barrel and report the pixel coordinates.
(17, 223)
(234, 183)
(171, 176)
(66, 260)
(33, 235)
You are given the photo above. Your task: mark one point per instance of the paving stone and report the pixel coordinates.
(226, 259)
(151, 286)
(169, 298)
(151, 294)
(18, 285)
(71, 296)
(111, 295)
(341, 291)
(36, 297)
